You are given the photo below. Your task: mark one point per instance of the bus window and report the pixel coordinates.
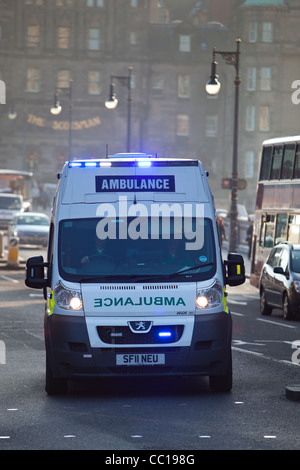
(281, 228)
(276, 163)
(266, 163)
(294, 228)
(288, 161)
(297, 163)
(267, 231)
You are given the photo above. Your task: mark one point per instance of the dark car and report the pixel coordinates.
(280, 281)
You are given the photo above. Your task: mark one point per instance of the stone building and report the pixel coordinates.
(67, 51)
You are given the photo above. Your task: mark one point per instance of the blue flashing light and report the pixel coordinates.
(83, 164)
(144, 163)
(165, 334)
(75, 164)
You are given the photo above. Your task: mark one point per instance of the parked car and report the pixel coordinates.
(242, 213)
(32, 228)
(10, 205)
(279, 285)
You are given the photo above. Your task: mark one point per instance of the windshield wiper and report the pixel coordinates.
(202, 265)
(111, 278)
(166, 277)
(142, 277)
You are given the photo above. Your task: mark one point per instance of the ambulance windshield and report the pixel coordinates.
(136, 250)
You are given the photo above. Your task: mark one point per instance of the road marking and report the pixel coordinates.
(237, 302)
(237, 314)
(6, 278)
(275, 323)
(240, 343)
(249, 352)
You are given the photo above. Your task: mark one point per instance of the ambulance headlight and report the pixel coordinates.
(209, 297)
(69, 299)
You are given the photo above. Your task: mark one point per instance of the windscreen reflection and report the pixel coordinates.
(164, 256)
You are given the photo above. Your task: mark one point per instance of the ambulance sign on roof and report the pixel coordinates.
(135, 183)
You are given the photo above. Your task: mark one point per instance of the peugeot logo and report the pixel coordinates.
(140, 326)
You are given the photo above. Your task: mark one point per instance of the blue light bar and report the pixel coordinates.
(164, 334)
(75, 164)
(144, 164)
(83, 164)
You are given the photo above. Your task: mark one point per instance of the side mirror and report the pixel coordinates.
(35, 273)
(235, 270)
(279, 270)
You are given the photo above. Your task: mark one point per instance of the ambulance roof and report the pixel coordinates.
(138, 176)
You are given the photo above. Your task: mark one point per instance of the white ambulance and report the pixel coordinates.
(134, 279)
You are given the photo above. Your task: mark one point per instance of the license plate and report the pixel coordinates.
(140, 359)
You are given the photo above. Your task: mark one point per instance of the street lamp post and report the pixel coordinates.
(112, 101)
(213, 87)
(57, 108)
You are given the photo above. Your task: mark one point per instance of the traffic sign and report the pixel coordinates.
(227, 183)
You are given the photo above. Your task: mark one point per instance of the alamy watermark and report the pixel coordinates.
(2, 353)
(296, 94)
(2, 92)
(296, 354)
(144, 223)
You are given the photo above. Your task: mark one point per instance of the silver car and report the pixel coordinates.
(32, 228)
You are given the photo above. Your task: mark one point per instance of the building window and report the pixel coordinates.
(133, 38)
(249, 164)
(33, 82)
(253, 27)
(95, 3)
(265, 78)
(63, 38)
(64, 2)
(183, 86)
(250, 118)
(211, 126)
(251, 79)
(63, 79)
(138, 3)
(184, 43)
(94, 39)
(183, 124)
(267, 32)
(33, 36)
(157, 84)
(264, 118)
(94, 83)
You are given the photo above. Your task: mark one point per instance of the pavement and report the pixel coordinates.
(245, 288)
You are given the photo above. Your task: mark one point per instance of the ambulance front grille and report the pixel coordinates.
(123, 335)
(145, 287)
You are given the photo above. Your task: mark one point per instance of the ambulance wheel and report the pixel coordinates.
(222, 383)
(54, 386)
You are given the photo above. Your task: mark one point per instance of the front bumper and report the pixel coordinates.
(70, 354)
